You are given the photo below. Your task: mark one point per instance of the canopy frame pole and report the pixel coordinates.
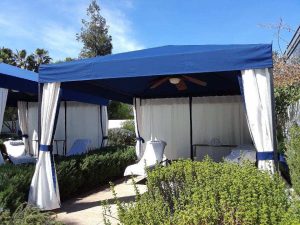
(191, 128)
(65, 147)
(276, 161)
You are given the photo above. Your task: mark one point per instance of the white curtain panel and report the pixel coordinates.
(3, 98)
(138, 126)
(258, 104)
(33, 127)
(44, 191)
(219, 118)
(104, 124)
(168, 120)
(23, 123)
(83, 122)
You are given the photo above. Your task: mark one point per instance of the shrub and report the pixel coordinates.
(128, 125)
(293, 157)
(121, 137)
(27, 216)
(76, 174)
(210, 193)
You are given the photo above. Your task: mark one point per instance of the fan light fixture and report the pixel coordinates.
(174, 80)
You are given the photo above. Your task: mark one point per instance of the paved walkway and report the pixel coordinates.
(87, 209)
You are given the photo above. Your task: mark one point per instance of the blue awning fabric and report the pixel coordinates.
(24, 84)
(127, 75)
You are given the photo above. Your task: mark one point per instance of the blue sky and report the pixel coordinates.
(137, 24)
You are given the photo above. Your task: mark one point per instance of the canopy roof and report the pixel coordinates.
(24, 84)
(127, 75)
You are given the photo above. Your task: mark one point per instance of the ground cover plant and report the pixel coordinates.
(206, 192)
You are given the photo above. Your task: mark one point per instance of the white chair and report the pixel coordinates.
(79, 147)
(15, 148)
(16, 152)
(153, 154)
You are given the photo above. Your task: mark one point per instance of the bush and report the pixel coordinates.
(293, 157)
(128, 125)
(27, 216)
(121, 137)
(76, 174)
(210, 193)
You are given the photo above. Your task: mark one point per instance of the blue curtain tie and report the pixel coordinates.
(140, 139)
(46, 148)
(25, 135)
(105, 137)
(265, 155)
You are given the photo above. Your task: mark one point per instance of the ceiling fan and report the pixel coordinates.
(178, 81)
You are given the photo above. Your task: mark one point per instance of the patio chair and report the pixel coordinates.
(79, 147)
(16, 158)
(153, 155)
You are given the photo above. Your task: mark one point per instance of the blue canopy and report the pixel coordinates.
(25, 82)
(127, 75)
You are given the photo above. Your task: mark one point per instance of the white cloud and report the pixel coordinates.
(60, 41)
(55, 29)
(120, 28)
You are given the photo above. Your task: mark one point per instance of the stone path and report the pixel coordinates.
(87, 209)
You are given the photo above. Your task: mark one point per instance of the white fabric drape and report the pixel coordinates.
(44, 192)
(3, 98)
(104, 118)
(258, 104)
(23, 123)
(218, 120)
(169, 120)
(138, 126)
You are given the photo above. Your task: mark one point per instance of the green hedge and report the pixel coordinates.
(121, 137)
(76, 174)
(211, 193)
(293, 157)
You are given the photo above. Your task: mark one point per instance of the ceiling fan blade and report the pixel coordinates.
(159, 82)
(181, 86)
(195, 81)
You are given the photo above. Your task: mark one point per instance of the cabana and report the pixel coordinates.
(19, 88)
(173, 81)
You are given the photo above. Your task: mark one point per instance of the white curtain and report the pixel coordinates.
(44, 192)
(218, 120)
(104, 124)
(256, 86)
(138, 126)
(3, 98)
(168, 120)
(23, 123)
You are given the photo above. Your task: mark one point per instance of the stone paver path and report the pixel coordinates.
(87, 209)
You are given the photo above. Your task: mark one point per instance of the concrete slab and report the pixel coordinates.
(87, 210)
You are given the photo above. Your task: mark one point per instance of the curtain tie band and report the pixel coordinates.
(46, 148)
(265, 155)
(25, 136)
(140, 139)
(105, 137)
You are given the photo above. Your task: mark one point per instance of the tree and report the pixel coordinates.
(40, 56)
(94, 34)
(7, 56)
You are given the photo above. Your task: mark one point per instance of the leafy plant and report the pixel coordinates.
(128, 125)
(27, 215)
(76, 174)
(206, 192)
(293, 157)
(121, 137)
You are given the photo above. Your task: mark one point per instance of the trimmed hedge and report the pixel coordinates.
(293, 157)
(205, 193)
(76, 174)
